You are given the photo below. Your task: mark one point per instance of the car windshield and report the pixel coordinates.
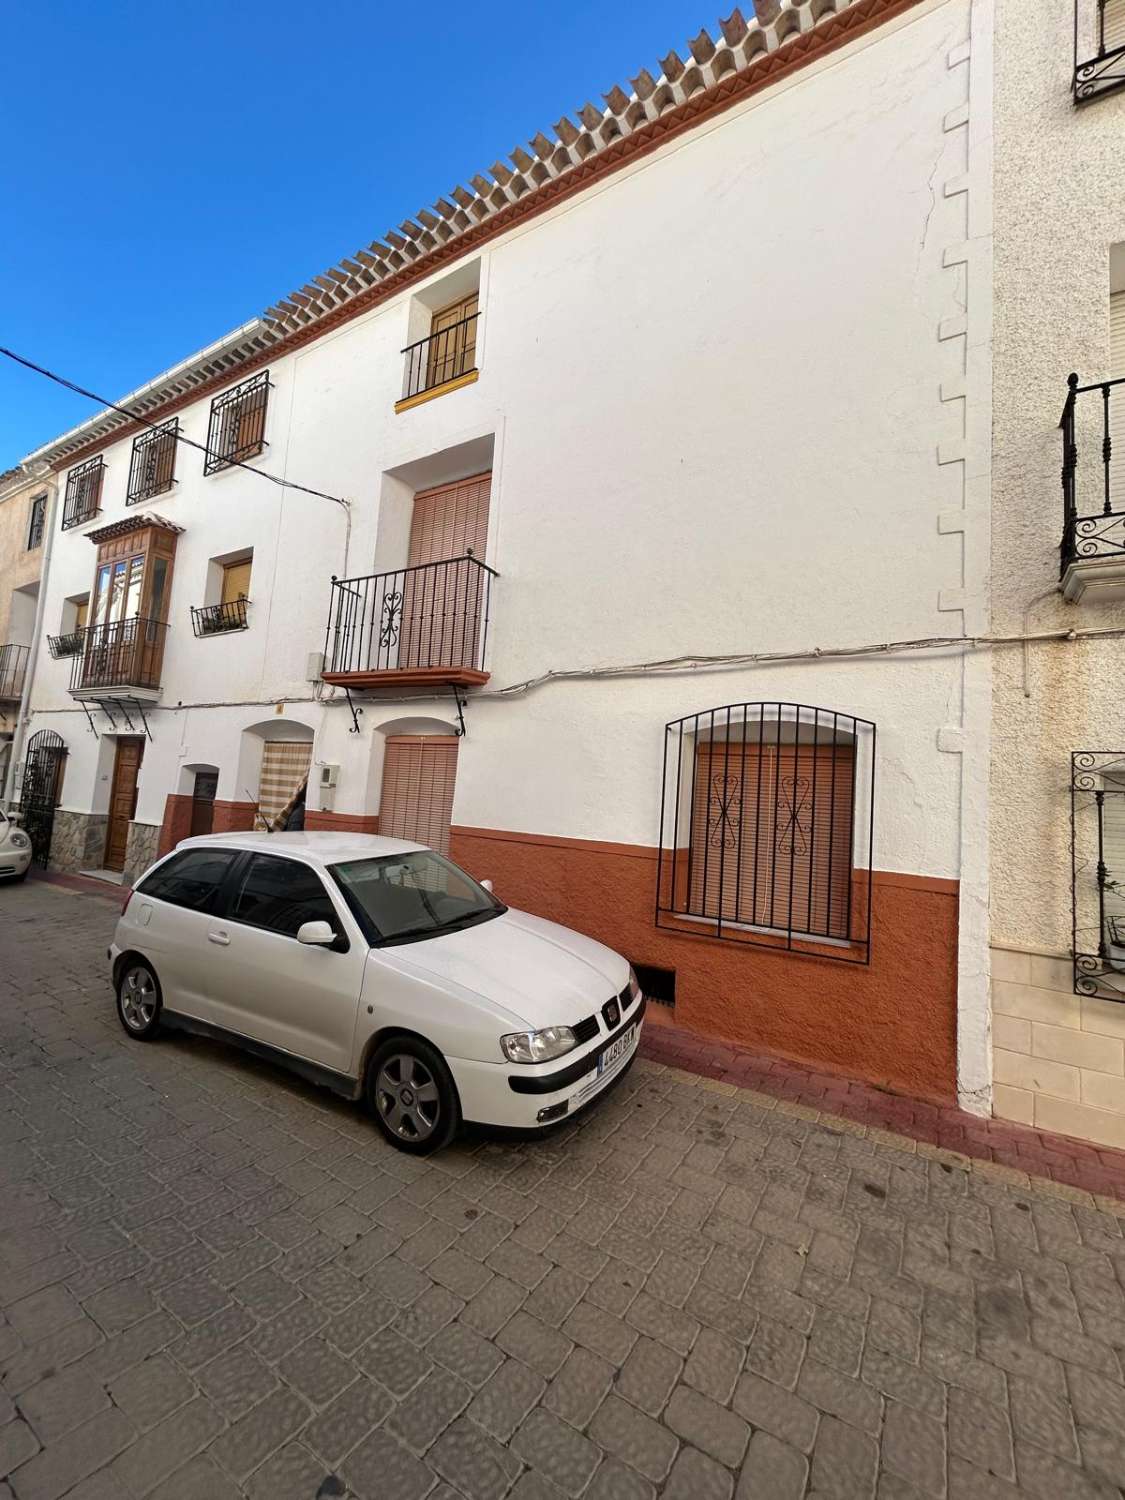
(401, 898)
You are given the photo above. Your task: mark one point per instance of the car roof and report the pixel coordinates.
(319, 848)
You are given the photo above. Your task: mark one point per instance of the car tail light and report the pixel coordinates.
(125, 903)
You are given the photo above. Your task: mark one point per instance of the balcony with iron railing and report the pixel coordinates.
(440, 362)
(219, 619)
(1092, 551)
(13, 671)
(425, 625)
(1099, 49)
(67, 644)
(122, 659)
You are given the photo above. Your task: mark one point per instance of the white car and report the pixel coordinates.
(381, 970)
(15, 850)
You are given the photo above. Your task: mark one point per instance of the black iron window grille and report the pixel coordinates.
(218, 619)
(152, 468)
(431, 615)
(1093, 488)
(237, 429)
(13, 670)
(67, 644)
(40, 788)
(1097, 872)
(83, 499)
(441, 357)
(1099, 48)
(766, 826)
(37, 522)
(120, 654)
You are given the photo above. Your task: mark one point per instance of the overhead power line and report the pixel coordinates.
(233, 463)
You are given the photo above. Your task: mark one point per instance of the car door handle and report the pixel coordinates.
(221, 938)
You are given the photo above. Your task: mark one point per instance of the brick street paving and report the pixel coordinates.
(218, 1281)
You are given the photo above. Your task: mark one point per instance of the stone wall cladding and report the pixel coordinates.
(78, 840)
(1058, 1057)
(140, 850)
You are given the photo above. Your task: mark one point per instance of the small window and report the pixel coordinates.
(237, 430)
(453, 341)
(236, 582)
(81, 611)
(152, 469)
(189, 879)
(281, 895)
(37, 522)
(83, 500)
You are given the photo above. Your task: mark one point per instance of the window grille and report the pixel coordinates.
(83, 499)
(237, 429)
(152, 468)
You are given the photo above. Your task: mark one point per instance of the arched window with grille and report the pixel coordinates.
(766, 825)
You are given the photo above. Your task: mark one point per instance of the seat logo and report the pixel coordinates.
(612, 1013)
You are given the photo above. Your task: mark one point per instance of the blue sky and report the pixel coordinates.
(167, 172)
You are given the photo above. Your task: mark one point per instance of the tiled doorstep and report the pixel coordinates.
(1073, 1169)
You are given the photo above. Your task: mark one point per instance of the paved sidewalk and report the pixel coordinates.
(217, 1281)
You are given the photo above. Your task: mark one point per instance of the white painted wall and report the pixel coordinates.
(713, 385)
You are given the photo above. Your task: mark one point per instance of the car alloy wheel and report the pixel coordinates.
(138, 1000)
(407, 1098)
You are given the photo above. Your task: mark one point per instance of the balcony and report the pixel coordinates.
(119, 660)
(420, 626)
(68, 644)
(443, 361)
(1099, 49)
(219, 619)
(1093, 480)
(13, 670)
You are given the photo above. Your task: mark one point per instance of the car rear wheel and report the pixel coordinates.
(412, 1095)
(138, 1000)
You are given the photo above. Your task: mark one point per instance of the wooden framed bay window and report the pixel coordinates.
(766, 827)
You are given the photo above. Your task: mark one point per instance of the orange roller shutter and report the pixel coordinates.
(419, 776)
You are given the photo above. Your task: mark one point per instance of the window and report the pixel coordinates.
(419, 773)
(281, 895)
(36, 522)
(152, 468)
(237, 430)
(236, 582)
(189, 879)
(81, 610)
(117, 589)
(419, 895)
(453, 341)
(83, 498)
(765, 834)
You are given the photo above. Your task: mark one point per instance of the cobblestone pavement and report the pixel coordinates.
(217, 1281)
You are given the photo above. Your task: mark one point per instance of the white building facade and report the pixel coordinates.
(637, 463)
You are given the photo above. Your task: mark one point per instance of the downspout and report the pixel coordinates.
(22, 721)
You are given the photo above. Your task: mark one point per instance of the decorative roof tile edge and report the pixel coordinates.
(137, 522)
(782, 37)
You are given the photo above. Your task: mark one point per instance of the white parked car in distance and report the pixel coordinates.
(15, 850)
(381, 970)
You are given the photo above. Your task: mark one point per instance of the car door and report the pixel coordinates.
(170, 915)
(300, 998)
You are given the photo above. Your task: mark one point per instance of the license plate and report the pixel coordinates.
(617, 1050)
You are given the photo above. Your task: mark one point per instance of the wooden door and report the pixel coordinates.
(419, 774)
(203, 802)
(122, 800)
(442, 607)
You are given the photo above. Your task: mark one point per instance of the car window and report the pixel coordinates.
(281, 895)
(414, 895)
(189, 879)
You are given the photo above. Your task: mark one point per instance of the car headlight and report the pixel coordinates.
(634, 986)
(537, 1046)
(19, 840)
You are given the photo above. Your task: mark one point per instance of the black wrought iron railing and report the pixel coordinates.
(1099, 49)
(237, 427)
(13, 670)
(83, 499)
(218, 619)
(441, 357)
(1093, 473)
(122, 654)
(68, 644)
(152, 467)
(431, 615)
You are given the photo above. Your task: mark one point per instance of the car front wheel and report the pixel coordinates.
(412, 1095)
(138, 1000)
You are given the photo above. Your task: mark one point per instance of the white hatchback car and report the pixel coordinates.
(15, 850)
(381, 970)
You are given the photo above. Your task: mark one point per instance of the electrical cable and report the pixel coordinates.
(231, 463)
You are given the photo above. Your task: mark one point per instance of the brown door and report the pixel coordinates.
(122, 800)
(419, 774)
(203, 802)
(442, 606)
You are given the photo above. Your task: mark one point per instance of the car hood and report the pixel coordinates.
(541, 974)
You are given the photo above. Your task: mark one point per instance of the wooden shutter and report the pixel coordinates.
(81, 610)
(285, 766)
(1114, 24)
(1116, 397)
(236, 582)
(419, 774)
(452, 353)
(771, 835)
(447, 521)
(442, 607)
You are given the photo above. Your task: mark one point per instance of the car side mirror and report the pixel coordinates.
(318, 934)
(487, 885)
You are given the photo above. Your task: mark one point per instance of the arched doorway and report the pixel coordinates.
(41, 790)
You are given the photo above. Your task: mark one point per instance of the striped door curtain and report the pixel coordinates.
(285, 768)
